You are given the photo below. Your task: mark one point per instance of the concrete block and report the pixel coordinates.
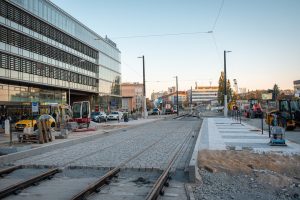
(28, 130)
(194, 175)
(64, 132)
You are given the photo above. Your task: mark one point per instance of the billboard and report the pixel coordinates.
(267, 96)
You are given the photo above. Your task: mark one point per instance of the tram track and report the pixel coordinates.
(96, 186)
(157, 187)
(162, 181)
(39, 157)
(13, 189)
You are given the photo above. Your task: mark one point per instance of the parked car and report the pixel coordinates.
(32, 122)
(155, 111)
(115, 115)
(99, 117)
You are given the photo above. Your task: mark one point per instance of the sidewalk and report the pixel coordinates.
(225, 133)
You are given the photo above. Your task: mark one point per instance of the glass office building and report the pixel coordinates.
(45, 53)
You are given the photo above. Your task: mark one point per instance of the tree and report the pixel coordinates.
(149, 104)
(229, 90)
(235, 96)
(221, 89)
(276, 92)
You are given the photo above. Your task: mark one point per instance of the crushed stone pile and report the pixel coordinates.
(247, 175)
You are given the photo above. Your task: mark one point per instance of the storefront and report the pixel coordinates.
(16, 100)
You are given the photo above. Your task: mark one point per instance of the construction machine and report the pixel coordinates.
(82, 112)
(287, 112)
(62, 113)
(231, 105)
(253, 110)
(295, 110)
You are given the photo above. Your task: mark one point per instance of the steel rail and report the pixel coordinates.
(26, 183)
(105, 179)
(96, 185)
(10, 169)
(162, 181)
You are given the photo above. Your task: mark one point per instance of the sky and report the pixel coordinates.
(190, 38)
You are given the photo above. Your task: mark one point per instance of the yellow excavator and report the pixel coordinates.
(288, 114)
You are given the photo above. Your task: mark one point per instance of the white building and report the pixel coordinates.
(297, 88)
(204, 94)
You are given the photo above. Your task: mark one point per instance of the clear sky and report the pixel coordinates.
(263, 35)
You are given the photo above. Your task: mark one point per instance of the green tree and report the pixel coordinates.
(229, 90)
(276, 92)
(221, 89)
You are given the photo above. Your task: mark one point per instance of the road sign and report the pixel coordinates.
(35, 107)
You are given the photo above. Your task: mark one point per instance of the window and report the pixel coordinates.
(19, 40)
(19, 16)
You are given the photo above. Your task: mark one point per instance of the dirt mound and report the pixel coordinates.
(234, 162)
(246, 175)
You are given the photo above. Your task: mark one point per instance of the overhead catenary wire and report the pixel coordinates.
(171, 81)
(218, 16)
(131, 68)
(217, 49)
(161, 35)
(211, 31)
(177, 34)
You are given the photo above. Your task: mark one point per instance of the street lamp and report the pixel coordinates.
(225, 87)
(177, 95)
(144, 89)
(70, 79)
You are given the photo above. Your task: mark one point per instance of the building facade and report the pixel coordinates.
(172, 98)
(156, 95)
(204, 94)
(297, 88)
(132, 96)
(45, 53)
